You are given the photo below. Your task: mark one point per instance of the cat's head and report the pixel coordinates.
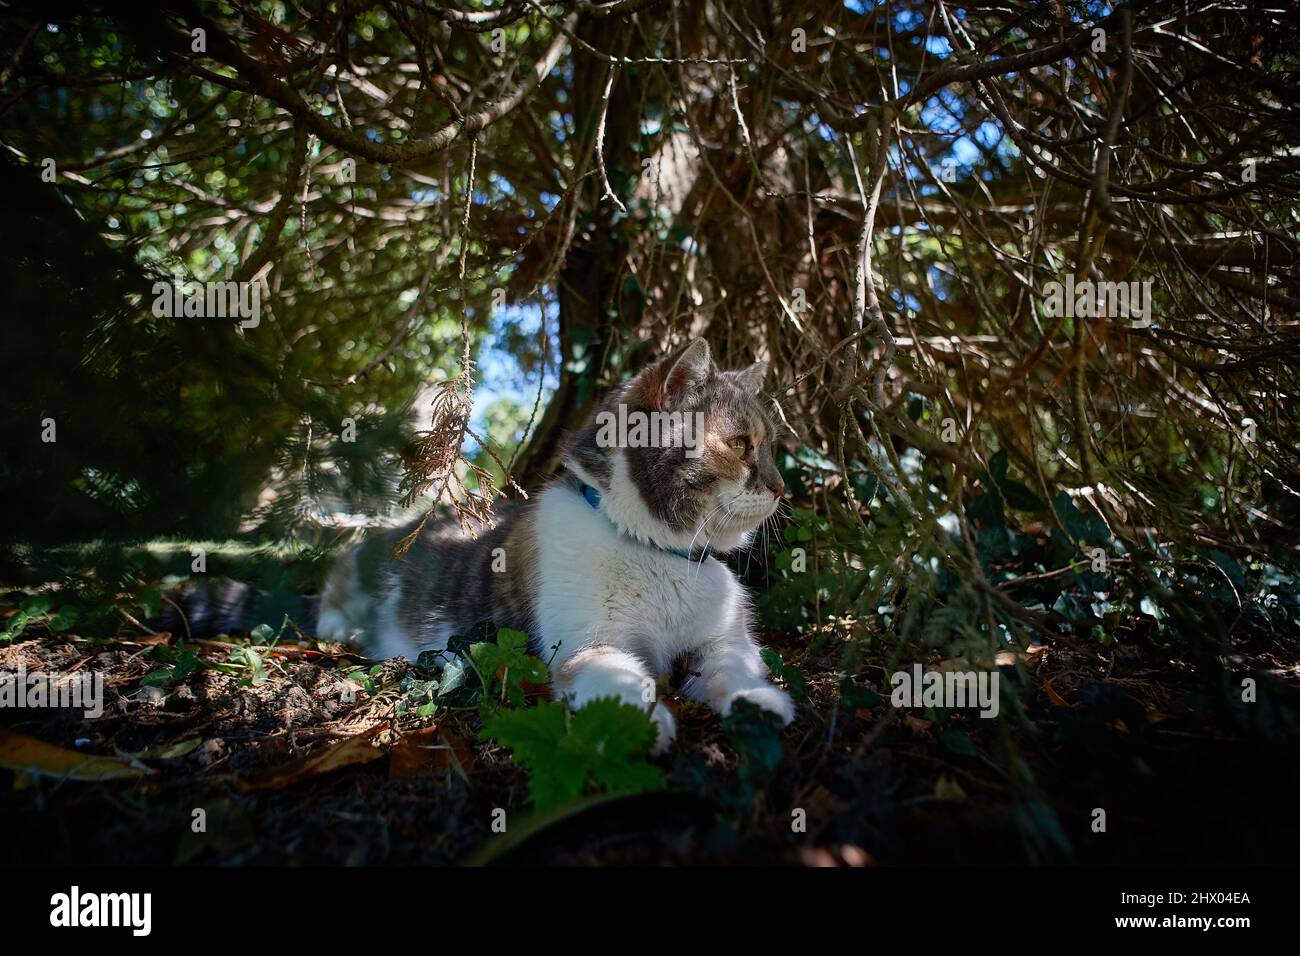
(682, 454)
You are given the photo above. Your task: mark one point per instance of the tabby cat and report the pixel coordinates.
(612, 569)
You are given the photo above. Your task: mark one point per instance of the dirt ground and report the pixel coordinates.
(303, 769)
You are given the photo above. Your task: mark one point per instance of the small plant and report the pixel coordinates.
(179, 663)
(602, 746)
(39, 608)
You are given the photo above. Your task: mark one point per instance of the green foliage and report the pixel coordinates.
(251, 659)
(162, 426)
(39, 608)
(365, 676)
(790, 675)
(602, 746)
(180, 662)
(755, 737)
(507, 665)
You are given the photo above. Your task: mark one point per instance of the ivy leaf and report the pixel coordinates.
(773, 661)
(998, 465)
(958, 742)
(756, 736)
(1080, 526)
(453, 676)
(1230, 567)
(854, 697)
(795, 682)
(986, 510)
(509, 661)
(150, 601)
(187, 662)
(1015, 494)
(1020, 497)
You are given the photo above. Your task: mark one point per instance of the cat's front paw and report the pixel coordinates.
(663, 719)
(770, 698)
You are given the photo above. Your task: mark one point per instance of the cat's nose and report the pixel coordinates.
(776, 488)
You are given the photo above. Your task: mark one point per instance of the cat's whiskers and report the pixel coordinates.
(708, 540)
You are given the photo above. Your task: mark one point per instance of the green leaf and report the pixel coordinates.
(857, 698)
(1230, 567)
(1080, 526)
(509, 660)
(998, 465)
(773, 661)
(986, 509)
(187, 662)
(37, 604)
(796, 682)
(17, 624)
(249, 658)
(1020, 497)
(150, 601)
(159, 678)
(958, 742)
(66, 617)
(453, 676)
(603, 745)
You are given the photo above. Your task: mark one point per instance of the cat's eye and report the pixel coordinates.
(740, 446)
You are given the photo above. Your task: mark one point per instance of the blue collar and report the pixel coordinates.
(593, 499)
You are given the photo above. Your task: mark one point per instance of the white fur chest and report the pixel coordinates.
(598, 586)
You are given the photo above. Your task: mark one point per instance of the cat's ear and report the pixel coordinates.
(691, 369)
(750, 379)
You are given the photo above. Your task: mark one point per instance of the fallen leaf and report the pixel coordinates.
(949, 789)
(345, 753)
(171, 751)
(917, 725)
(30, 755)
(1052, 695)
(429, 752)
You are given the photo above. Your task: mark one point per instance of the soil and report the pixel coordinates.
(1182, 773)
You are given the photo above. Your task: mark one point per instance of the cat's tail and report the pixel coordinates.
(232, 607)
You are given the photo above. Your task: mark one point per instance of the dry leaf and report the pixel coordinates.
(1052, 695)
(36, 756)
(949, 789)
(429, 752)
(345, 753)
(917, 725)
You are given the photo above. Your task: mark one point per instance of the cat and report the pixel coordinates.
(612, 569)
